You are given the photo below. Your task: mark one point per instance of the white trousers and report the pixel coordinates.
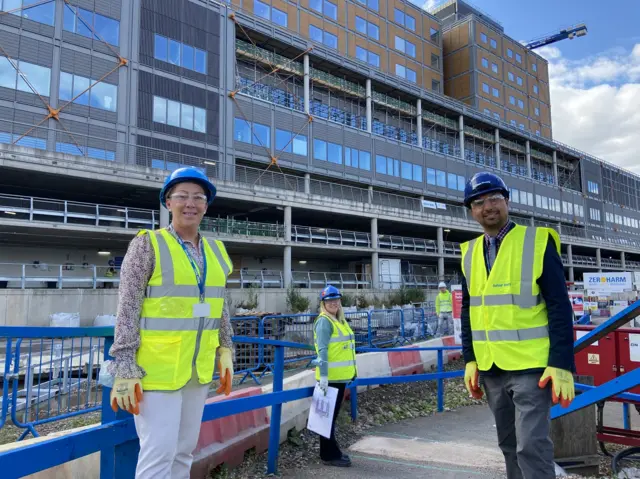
(168, 427)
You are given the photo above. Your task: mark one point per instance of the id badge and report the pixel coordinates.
(201, 310)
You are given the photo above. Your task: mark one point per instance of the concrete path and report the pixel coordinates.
(454, 445)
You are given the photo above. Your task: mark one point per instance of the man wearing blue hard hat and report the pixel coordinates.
(517, 327)
(171, 323)
(336, 364)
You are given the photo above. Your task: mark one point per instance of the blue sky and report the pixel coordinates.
(611, 24)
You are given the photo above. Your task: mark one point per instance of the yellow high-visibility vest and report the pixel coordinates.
(172, 341)
(444, 303)
(508, 316)
(341, 352)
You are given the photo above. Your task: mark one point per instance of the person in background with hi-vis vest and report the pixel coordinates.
(336, 364)
(444, 308)
(517, 327)
(171, 322)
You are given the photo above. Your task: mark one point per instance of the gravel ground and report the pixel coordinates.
(386, 404)
(10, 433)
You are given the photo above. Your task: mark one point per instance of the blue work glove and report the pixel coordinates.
(324, 385)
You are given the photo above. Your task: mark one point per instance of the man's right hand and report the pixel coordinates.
(471, 382)
(126, 394)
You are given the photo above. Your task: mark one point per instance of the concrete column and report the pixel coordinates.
(570, 258)
(164, 217)
(307, 89)
(369, 104)
(307, 183)
(286, 270)
(528, 147)
(555, 168)
(440, 243)
(370, 194)
(623, 258)
(560, 229)
(421, 206)
(533, 221)
(461, 131)
(375, 270)
(419, 121)
(599, 259)
(286, 266)
(497, 145)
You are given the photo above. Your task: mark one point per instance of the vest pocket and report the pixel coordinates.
(159, 356)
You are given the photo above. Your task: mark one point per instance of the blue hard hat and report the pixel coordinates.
(188, 174)
(330, 292)
(481, 184)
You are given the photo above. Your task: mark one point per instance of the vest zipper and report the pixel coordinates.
(198, 339)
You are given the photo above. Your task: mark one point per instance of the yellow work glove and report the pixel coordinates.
(225, 369)
(126, 394)
(562, 388)
(471, 381)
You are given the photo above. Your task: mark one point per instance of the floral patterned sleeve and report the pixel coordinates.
(226, 330)
(136, 271)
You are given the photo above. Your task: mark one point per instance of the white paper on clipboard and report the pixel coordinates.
(321, 411)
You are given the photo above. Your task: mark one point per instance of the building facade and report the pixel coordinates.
(333, 162)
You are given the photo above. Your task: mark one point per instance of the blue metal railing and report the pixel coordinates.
(116, 437)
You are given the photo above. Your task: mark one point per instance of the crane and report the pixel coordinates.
(579, 30)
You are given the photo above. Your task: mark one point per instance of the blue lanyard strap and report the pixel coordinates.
(200, 278)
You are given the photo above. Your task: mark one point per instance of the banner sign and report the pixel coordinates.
(608, 282)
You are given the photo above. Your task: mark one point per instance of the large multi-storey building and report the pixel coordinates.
(323, 123)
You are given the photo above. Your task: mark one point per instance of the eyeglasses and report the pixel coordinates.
(491, 200)
(198, 199)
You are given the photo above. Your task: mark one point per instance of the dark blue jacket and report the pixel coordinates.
(559, 311)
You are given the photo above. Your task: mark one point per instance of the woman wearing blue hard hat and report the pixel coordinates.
(171, 322)
(336, 348)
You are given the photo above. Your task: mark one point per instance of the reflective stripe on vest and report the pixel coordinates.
(172, 342)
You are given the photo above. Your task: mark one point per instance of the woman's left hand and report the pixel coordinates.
(225, 369)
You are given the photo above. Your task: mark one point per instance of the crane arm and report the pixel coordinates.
(570, 33)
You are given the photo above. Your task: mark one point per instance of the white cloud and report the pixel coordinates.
(595, 103)
(429, 4)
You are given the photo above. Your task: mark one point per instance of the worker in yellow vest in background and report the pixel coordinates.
(170, 325)
(444, 309)
(336, 364)
(517, 327)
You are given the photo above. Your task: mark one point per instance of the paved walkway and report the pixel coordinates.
(458, 444)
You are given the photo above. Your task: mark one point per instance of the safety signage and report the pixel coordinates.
(594, 359)
(634, 347)
(577, 303)
(608, 282)
(456, 297)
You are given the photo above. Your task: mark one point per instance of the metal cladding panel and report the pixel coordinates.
(88, 66)
(386, 148)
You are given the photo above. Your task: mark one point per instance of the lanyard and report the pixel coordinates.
(200, 278)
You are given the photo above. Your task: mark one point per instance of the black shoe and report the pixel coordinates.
(342, 462)
(346, 457)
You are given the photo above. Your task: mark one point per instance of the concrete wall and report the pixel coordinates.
(32, 307)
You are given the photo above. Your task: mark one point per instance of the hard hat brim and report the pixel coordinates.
(209, 189)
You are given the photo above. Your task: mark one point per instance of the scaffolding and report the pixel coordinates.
(479, 147)
(54, 113)
(513, 157)
(542, 166)
(440, 134)
(394, 118)
(337, 99)
(569, 176)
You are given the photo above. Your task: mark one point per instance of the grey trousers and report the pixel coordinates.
(445, 324)
(522, 413)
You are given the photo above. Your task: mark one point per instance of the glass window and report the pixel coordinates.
(160, 47)
(66, 86)
(535, 89)
(104, 96)
(535, 67)
(261, 135)
(545, 203)
(315, 34)
(316, 5)
(186, 118)
(441, 179)
(487, 111)
(410, 22)
(76, 21)
(496, 116)
(434, 34)
(435, 61)
(107, 28)
(485, 63)
(496, 93)
(365, 160)
(261, 9)
(319, 150)
(39, 77)
(511, 76)
(361, 25)
(509, 52)
(521, 126)
(200, 120)
(461, 183)
(512, 99)
(44, 13)
(160, 112)
(399, 43)
(201, 61)
(494, 44)
(373, 31)
(374, 59)
(514, 196)
(407, 171)
(485, 87)
(521, 104)
(398, 16)
(174, 52)
(431, 176)
(410, 49)
(452, 181)
(173, 113)
(411, 75)
(537, 111)
(518, 58)
(330, 10)
(334, 153)
(417, 173)
(350, 157)
(435, 85)
(530, 199)
(538, 201)
(494, 68)
(300, 145)
(381, 165)
(283, 141)
(373, 4)
(279, 17)
(400, 71)
(483, 37)
(537, 132)
(330, 40)
(188, 54)
(7, 74)
(361, 54)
